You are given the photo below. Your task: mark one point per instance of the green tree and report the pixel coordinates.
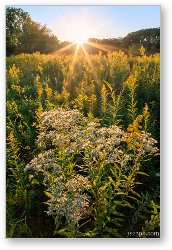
(23, 35)
(15, 20)
(149, 38)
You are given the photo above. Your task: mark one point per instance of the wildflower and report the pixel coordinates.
(68, 133)
(142, 50)
(131, 82)
(40, 90)
(48, 90)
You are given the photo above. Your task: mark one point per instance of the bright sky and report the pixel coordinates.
(95, 21)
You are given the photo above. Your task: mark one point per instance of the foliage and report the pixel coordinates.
(87, 135)
(89, 173)
(149, 38)
(25, 35)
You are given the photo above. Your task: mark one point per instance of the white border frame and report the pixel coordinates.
(166, 138)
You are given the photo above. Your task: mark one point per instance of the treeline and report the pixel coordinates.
(23, 35)
(149, 38)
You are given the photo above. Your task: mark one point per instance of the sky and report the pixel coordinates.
(95, 21)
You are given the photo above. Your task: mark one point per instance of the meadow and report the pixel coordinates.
(83, 138)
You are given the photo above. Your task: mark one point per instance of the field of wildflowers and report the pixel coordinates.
(83, 145)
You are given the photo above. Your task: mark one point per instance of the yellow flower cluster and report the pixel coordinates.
(146, 112)
(133, 136)
(38, 113)
(14, 71)
(48, 90)
(40, 90)
(131, 81)
(13, 141)
(142, 50)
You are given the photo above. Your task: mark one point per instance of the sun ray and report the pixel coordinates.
(74, 57)
(63, 49)
(90, 63)
(70, 73)
(97, 46)
(106, 48)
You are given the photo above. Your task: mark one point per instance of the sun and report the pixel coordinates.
(80, 40)
(78, 32)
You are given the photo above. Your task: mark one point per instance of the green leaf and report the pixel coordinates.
(90, 233)
(48, 194)
(113, 232)
(120, 193)
(108, 85)
(142, 173)
(131, 197)
(62, 232)
(142, 217)
(116, 220)
(135, 193)
(35, 182)
(47, 203)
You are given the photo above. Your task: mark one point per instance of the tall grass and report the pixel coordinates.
(116, 97)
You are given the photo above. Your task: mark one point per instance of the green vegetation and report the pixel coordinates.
(82, 145)
(23, 35)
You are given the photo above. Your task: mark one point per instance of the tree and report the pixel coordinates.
(15, 20)
(149, 38)
(23, 35)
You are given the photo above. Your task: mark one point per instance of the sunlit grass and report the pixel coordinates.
(67, 47)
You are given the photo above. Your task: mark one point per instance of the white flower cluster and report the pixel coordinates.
(68, 131)
(58, 125)
(148, 144)
(44, 161)
(68, 199)
(61, 119)
(98, 143)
